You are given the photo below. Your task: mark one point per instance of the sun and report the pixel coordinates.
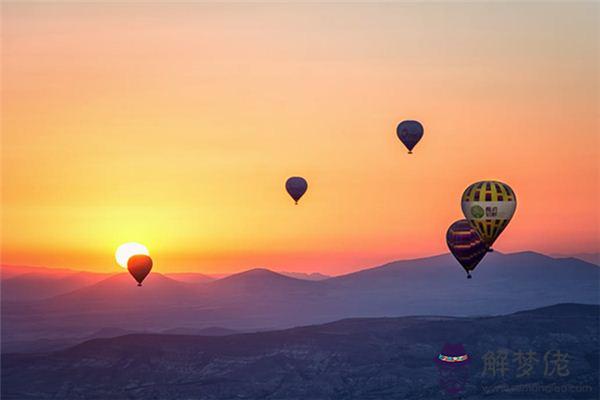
(127, 250)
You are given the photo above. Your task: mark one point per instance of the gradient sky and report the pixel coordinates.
(177, 125)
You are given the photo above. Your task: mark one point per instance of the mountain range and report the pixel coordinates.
(359, 358)
(593, 258)
(22, 283)
(260, 299)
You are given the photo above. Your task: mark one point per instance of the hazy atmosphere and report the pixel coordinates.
(209, 200)
(176, 125)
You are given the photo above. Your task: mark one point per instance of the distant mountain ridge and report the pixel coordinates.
(260, 278)
(358, 358)
(593, 258)
(312, 276)
(261, 299)
(190, 277)
(10, 271)
(39, 283)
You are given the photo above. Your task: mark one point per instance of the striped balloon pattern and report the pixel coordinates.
(489, 207)
(465, 245)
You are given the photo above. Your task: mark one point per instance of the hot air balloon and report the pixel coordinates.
(409, 133)
(465, 245)
(296, 187)
(139, 267)
(489, 206)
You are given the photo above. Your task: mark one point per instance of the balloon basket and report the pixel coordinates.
(139, 284)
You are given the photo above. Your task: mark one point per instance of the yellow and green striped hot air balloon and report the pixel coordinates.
(489, 207)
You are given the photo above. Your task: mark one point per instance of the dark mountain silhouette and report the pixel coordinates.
(312, 276)
(11, 271)
(31, 283)
(501, 283)
(46, 345)
(261, 299)
(116, 301)
(190, 277)
(361, 358)
(210, 331)
(592, 258)
(118, 291)
(261, 279)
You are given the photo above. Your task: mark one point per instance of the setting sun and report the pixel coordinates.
(344, 199)
(127, 250)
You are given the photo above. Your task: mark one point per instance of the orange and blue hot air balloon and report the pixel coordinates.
(466, 245)
(410, 133)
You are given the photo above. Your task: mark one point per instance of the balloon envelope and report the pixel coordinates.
(409, 133)
(296, 187)
(489, 207)
(465, 245)
(139, 267)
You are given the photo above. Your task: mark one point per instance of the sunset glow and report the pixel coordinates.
(177, 125)
(127, 250)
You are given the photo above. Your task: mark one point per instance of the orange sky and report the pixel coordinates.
(177, 125)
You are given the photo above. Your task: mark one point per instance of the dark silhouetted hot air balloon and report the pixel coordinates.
(296, 187)
(139, 267)
(409, 133)
(489, 207)
(465, 245)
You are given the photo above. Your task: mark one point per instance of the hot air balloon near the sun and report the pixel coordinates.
(409, 133)
(136, 258)
(489, 207)
(296, 187)
(465, 245)
(139, 267)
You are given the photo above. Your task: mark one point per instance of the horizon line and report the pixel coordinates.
(283, 272)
